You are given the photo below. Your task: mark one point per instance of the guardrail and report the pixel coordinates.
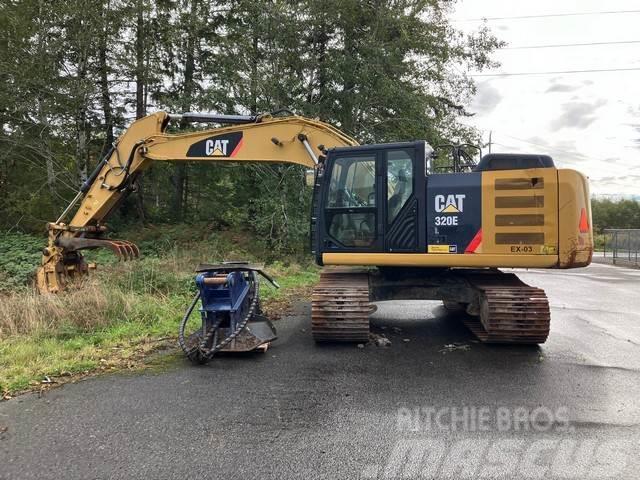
(622, 245)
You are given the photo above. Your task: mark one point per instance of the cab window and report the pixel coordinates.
(399, 181)
(353, 187)
(353, 182)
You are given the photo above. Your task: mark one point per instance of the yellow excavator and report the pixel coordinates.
(388, 221)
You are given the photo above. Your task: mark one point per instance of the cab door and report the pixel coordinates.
(351, 213)
(402, 199)
(372, 200)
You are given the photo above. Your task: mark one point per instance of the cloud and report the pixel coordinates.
(487, 98)
(563, 152)
(633, 111)
(637, 140)
(561, 87)
(615, 180)
(577, 115)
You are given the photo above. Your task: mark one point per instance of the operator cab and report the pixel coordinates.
(398, 198)
(370, 198)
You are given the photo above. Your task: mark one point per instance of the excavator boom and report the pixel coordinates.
(265, 138)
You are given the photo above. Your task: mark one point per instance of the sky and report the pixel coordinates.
(588, 121)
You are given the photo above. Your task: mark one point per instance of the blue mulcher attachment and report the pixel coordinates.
(232, 320)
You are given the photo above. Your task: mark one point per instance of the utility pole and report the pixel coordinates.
(490, 132)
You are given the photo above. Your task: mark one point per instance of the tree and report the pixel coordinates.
(74, 73)
(607, 213)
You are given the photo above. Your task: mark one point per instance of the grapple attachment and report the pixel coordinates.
(123, 249)
(62, 261)
(231, 319)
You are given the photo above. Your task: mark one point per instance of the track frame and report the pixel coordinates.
(496, 306)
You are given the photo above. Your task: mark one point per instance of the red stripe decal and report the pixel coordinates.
(235, 150)
(474, 243)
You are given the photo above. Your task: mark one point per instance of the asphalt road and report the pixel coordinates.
(416, 409)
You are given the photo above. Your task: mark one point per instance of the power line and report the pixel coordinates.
(544, 147)
(507, 146)
(548, 15)
(576, 155)
(514, 74)
(573, 152)
(569, 45)
(548, 147)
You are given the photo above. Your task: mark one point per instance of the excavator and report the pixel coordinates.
(388, 222)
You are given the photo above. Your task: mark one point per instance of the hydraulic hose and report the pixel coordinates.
(201, 353)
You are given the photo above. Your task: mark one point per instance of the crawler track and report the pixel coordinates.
(340, 306)
(510, 310)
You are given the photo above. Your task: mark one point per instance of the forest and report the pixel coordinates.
(75, 73)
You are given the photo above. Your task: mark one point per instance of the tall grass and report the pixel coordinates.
(26, 312)
(120, 310)
(113, 294)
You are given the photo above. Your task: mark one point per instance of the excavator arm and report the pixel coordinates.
(264, 138)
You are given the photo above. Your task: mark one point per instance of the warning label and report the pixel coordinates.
(442, 249)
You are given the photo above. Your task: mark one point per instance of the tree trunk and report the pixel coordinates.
(254, 75)
(46, 147)
(320, 41)
(141, 103)
(180, 169)
(141, 108)
(104, 88)
(82, 126)
(81, 143)
(347, 116)
(42, 116)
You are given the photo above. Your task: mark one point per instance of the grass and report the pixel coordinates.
(123, 312)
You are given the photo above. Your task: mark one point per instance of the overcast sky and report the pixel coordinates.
(588, 121)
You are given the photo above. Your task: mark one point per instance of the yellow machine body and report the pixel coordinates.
(533, 218)
(537, 217)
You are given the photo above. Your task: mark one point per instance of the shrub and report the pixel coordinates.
(19, 256)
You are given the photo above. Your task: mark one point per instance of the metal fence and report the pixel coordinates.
(622, 245)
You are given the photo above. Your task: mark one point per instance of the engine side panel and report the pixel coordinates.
(520, 212)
